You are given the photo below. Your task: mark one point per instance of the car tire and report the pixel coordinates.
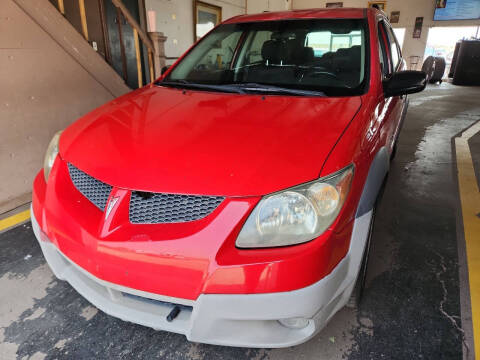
(439, 70)
(394, 151)
(428, 67)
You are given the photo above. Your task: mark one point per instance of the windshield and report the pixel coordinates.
(324, 55)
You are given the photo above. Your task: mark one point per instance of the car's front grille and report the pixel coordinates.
(153, 208)
(147, 208)
(94, 190)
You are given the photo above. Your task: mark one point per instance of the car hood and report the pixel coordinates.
(194, 142)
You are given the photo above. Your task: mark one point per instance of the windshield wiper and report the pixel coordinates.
(265, 88)
(240, 88)
(183, 84)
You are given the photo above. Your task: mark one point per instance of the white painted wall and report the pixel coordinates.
(258, 6)
(409, 10)
(175, 19)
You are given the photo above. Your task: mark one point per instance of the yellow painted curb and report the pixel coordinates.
(470, 200)
(14, 220)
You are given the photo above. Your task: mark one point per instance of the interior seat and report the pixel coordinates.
(347, 63)
(275, 53)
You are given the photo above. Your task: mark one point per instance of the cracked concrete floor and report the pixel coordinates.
(411, 306)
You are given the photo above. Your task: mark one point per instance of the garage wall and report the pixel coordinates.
(43, 89)
(409, 10)
(258, 6)
(175, 19)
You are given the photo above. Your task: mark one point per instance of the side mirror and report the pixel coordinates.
(164, 69)
(404, 82)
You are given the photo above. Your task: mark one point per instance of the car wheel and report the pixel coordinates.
(428, 67)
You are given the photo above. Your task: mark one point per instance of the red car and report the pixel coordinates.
(232, 200)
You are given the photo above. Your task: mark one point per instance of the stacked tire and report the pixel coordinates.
(434, 67)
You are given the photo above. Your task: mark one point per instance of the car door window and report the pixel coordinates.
(383, 51)
(394, 48)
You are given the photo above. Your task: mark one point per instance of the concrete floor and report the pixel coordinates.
(411, 306)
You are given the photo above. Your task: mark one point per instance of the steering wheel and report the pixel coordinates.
(313, 72)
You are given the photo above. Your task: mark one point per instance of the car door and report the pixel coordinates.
(390, 60)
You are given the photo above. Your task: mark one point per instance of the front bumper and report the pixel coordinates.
(249, 320)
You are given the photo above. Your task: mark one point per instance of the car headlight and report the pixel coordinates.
(50, 155)
(296, 215)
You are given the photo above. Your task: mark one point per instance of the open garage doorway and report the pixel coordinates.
(441, 41)
(400, 35)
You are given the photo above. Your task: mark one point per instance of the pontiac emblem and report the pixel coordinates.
(110, 206)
